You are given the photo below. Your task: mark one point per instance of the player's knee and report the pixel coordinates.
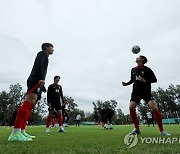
(32, 98)
(132, 106)
(153, 106)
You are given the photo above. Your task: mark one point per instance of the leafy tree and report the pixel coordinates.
(105, 105)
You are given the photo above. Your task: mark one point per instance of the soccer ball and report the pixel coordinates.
(136, 49)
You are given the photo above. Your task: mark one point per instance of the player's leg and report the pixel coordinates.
(134, 117)
(148, 122)
(157, 117)
(135, 99)
(110, 121)
(48, 120)
(67, 120)
(60, 120)
(21, 118)
(105, 117)
(152, 121)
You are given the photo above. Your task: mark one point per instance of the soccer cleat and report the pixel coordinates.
(28, 136)
(106, 126)
(62, 130)
(48, 130)
(18, 137)
(135, 132)
(164, 133)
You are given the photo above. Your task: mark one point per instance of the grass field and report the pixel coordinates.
(88, 139)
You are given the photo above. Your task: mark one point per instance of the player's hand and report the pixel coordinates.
(140, 78)
(49, 104)
(124, 84)
(41, 82)
(44, 89)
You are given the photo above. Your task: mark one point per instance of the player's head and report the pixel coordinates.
(56, 79)
(141, 60)
(47, 47)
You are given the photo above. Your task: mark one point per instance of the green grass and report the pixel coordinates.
(87, 139)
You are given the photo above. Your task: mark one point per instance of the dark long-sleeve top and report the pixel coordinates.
(39, 69)
(54, 94)
(147, 74)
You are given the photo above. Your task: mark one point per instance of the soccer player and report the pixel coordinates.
(35, 85)
(106, 117)
(142, 77)
(78, 119)
(54, 98)
(65, 113)
(149, 118)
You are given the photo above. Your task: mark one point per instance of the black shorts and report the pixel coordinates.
(55, 106)
(33, 87)
(136, 97)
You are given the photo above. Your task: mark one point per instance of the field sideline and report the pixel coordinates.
(88, 139)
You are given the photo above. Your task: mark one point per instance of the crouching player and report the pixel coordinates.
(106, 117)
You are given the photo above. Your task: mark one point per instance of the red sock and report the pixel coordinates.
(158, 118)
(60, 119)
(54, 122)
(134, 118)
(48, 121)
(25, 120)
(21, 115)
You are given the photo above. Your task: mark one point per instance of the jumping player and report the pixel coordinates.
(54, 98)
(106, 117)
(142, 77)
(35, 85)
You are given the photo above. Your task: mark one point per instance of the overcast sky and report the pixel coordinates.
(92, 41)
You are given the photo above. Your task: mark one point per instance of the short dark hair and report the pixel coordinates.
(144, 59)
(46, 45)
(56, 77)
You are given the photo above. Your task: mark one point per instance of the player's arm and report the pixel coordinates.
(49, 92)
(151, 78)
(41, 64)
(130, 81)
(61, 95)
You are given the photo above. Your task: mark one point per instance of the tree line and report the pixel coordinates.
(168, 101)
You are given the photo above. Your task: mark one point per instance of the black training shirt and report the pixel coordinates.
(147, 74)
(39, 69)
(54, 94)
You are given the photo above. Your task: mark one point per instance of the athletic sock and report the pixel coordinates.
(15, 130)
(134, 118)
(158, 118)
(22, 130)
(60, 119)
(21, 115)
(53, 122)
(48, 121)
(25, 120)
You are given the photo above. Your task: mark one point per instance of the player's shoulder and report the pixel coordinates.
(133, 68)
(51, 85)
(41, 54)
(147, 68)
